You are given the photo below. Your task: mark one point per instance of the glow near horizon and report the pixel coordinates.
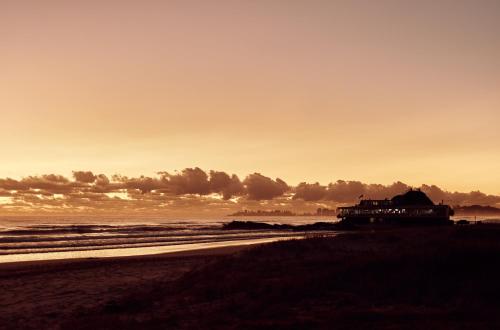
(305, 91)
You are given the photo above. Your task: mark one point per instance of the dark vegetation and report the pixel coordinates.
(407, 278)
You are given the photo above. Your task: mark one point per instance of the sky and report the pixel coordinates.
(375, 91)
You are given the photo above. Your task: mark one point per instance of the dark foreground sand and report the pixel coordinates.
(46, 294)
(413, 278)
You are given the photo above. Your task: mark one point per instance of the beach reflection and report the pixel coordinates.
(124, 252)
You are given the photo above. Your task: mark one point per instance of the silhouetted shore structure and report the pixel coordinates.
(412, 207)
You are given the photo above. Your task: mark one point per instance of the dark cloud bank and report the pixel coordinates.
(194, 189)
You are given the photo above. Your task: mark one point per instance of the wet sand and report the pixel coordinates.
(137, 251)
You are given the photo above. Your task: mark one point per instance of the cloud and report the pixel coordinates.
(345, 191)
(189, 181)
(198, 182)
(196, 191)
(260, 187)
(310, 192)
(349, 191)
(84, 176)
(142, 183)
(227, 186)
(458, 198)
(56, 184)
(5, 193)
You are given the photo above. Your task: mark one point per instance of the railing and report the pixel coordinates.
(428, 211)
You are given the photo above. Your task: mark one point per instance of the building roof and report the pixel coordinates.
(412, 197)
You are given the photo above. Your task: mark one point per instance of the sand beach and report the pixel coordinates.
(378, 278)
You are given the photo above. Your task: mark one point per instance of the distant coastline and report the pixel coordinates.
(459, 210)
(476, 210)
(283, 213)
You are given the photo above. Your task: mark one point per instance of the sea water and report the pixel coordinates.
(63, 237)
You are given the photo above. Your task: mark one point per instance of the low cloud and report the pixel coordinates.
(261, 187)
(227, 186)
(56, 184)
(310, 191)
(460, 198)
(189, 181)
(84, 176)
(197, 191)
(343, 192)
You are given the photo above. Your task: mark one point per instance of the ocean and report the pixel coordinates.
(63, 237)
(31, 238)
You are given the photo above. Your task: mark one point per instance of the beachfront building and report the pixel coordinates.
(412, 207)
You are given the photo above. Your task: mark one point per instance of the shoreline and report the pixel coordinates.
(35, 294)
(427, 275)
(36, 265)
(178, 250)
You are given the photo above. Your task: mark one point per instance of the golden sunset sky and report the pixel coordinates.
(376, 91)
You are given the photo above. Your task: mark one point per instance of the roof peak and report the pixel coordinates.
(412, 197)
